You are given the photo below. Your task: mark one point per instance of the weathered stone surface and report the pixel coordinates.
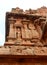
(28, 50)
(23, 50)
(26, 28)
(4, 50)
(17, 10)
(26, 38)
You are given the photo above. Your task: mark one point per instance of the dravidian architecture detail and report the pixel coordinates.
(25, 37)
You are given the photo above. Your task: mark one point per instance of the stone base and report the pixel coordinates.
(23, 50)
(23, 60)
(23, 55)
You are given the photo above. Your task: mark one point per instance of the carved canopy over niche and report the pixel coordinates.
(23, 29)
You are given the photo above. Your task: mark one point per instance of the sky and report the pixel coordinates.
(7, 5)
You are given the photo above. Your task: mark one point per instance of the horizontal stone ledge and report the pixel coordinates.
(12, 43)
(23, 50)
(21, 14)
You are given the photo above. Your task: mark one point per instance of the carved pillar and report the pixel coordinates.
(15, 30)
(11, 30)
(26, 30)
(39, 31)
(23, 32)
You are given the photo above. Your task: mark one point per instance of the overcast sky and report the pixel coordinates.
(6, 5)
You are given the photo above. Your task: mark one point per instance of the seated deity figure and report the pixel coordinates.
(38, 28)
(34, 32)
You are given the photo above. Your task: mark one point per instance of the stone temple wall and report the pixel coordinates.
(24, 28)
(25, 37)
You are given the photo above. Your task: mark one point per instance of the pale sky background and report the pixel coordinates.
(6, 5)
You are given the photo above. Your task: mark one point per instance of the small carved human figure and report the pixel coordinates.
(18, 35)
(38, 28)
(34, 32)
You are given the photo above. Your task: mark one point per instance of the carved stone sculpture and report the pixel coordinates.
(25, 38)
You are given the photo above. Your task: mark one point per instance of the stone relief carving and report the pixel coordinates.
(27, 29)
(25, 32)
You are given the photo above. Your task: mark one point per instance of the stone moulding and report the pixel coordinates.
(23, 50)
